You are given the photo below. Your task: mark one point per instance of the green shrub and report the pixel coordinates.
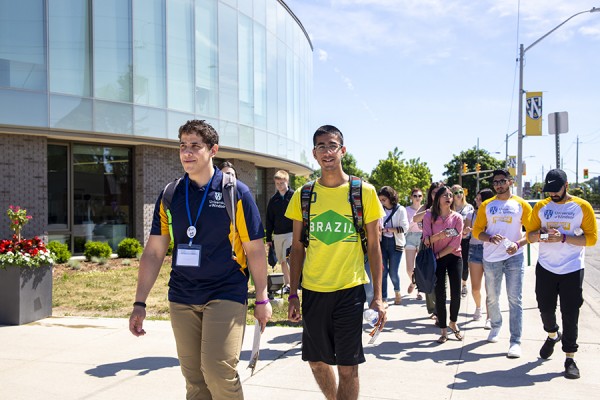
(74, 264)
(60, 251)
(129, 248)
(97, 249)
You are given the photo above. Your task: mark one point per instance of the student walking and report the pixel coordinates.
(563, 225)
(498, 225)
(332, 268)
(208, 288)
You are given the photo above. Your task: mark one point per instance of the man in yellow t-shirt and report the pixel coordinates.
(332, 269)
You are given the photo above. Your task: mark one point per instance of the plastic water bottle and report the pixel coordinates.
(578, 231)
(371, 316)
(507, 243)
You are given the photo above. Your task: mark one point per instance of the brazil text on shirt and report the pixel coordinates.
(564, 258)
(334, 257)
(218, 276)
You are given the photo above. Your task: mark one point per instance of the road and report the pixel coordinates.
(591, 289)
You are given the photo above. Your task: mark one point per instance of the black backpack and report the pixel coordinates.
(355, 200)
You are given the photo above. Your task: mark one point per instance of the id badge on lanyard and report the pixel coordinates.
(188, 254)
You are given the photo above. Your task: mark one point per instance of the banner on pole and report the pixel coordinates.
(512, 165)
(533, 118)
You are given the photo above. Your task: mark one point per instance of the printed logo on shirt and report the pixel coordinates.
(564, 226)
(503, 218)
(217, 202)
(560, 215)
(493, 210)
(331, 227)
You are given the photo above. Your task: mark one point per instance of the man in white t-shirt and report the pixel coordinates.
(563, 225)
(498, 226)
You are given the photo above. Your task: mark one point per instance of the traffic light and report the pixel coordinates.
(465, 169)
(477, 167)
(585, 173)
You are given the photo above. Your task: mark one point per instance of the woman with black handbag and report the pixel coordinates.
(442, 230)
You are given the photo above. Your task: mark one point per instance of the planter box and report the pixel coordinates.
(25, 294)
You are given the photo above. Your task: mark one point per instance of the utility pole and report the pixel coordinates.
(577, 164)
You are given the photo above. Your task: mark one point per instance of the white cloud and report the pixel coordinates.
(322, 54)
(591, 31)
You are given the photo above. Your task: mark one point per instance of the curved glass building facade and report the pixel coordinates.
(100, 88)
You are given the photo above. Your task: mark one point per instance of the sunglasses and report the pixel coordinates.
(458, 192)
(417, 195)
(499, 182)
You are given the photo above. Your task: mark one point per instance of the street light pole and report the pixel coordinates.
(522, 51)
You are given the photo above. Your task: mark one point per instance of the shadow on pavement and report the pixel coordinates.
(514, 377)
(145, 365)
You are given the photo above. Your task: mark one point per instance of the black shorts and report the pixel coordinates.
(333, 326)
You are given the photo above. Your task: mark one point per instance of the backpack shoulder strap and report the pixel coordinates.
(229, 189)
(305, 197)
(355, 199)
(166, 200)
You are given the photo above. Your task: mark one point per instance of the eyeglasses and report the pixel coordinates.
(499, 182)
(325, 148)
(417, 195)
(448, 195)
(458, 192)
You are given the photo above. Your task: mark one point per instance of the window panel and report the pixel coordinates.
(246, 70)
(180, 57)
(112, 50)
(260, 77)
(113, 117)
(22, 44)
(67, 112)
(207, 62)
(149, 52)
(70, 50)
(228, 63)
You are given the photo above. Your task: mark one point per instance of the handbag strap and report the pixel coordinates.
(391, 215)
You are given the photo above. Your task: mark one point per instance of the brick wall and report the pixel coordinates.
(154, 168)
(24, 181)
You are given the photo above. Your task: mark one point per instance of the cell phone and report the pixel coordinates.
(543, 236)
(451, 232)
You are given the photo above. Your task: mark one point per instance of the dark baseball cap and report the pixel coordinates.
(555, 180)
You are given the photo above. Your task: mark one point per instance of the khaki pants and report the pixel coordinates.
(209, 340)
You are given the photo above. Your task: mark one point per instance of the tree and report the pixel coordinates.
(349, 166)
(401, 175)
(472, 157)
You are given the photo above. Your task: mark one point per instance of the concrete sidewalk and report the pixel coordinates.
(97, 358)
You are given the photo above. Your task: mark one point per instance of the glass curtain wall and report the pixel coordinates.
(207, 61)
(112, 50)
(69, 42)
(22, 44)
(180, 57)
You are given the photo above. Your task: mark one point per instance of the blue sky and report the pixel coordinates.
(432, 76)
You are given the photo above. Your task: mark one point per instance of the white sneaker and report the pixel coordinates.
(477, 314)
(514, 351)
(488, 324)
(493, 336)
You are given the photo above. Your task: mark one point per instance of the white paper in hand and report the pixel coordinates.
(255, 347)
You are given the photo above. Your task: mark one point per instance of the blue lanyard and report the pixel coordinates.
(187, 201)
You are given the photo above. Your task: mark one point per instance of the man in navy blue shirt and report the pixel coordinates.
(209, 279)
